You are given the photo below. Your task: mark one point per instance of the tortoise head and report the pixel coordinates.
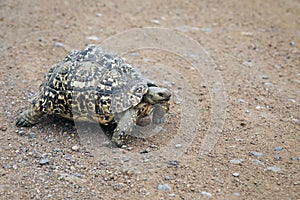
(157, 95)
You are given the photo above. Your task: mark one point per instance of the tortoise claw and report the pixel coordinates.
(21, 122)
(28, 118)
(119, 141)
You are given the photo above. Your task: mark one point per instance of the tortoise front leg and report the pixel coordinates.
(144, 121)
(29, 117)
(124, 127)
(159, 112)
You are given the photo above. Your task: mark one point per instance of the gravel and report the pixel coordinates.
(256, 154)
(277, 157)
(59, 44)
(173, 162)
(93, 38)
(3, 128)
(236, 161)
(21, 133)
(235, 174)
(236, 194)
(165, 187)
(44, 161)
(274, 169)
(258, 162)
(31, 135)
(204, 193)
(87, 175)
(278, 148)
(75, 148)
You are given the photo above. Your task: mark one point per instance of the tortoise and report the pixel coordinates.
(93, 85)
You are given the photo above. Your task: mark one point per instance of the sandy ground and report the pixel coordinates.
(247, 64)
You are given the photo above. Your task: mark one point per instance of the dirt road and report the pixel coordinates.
(233, 127)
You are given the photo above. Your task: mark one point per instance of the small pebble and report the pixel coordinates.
(264, 77)
(114, 151)
(94, 38)
(235, 174)
(183, 28)
(21, 133)
(236, 161)
(67, 157)
(294, 158)
(248, 34)
(129, 172)
(274, 169)
(206, 30)
(172, 195)
(44, 161)
(236, 194)
(31, 135)
(3, 128)
(75, 148)
(240, 100)
(206, 193)
(277, 157)
(259, 162)
(167, 178)
(153, 146)
(195, 28)
(277, 66)
(248, 63)
(173, 162)
(277, 148)
(5, 166)
(57, 150)
(258, 107)
(165, 187)
(133, 54)
(292, 43)
(267, 83)
(59, 44)
(257, 154)
(178, 145)
(154, 21)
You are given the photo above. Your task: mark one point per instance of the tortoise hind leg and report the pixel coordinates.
(29, 117)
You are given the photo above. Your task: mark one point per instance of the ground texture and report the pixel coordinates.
(255, 49)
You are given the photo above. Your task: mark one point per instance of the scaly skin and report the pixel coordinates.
(29, 117)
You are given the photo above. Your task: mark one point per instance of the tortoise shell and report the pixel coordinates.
(90, 85)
